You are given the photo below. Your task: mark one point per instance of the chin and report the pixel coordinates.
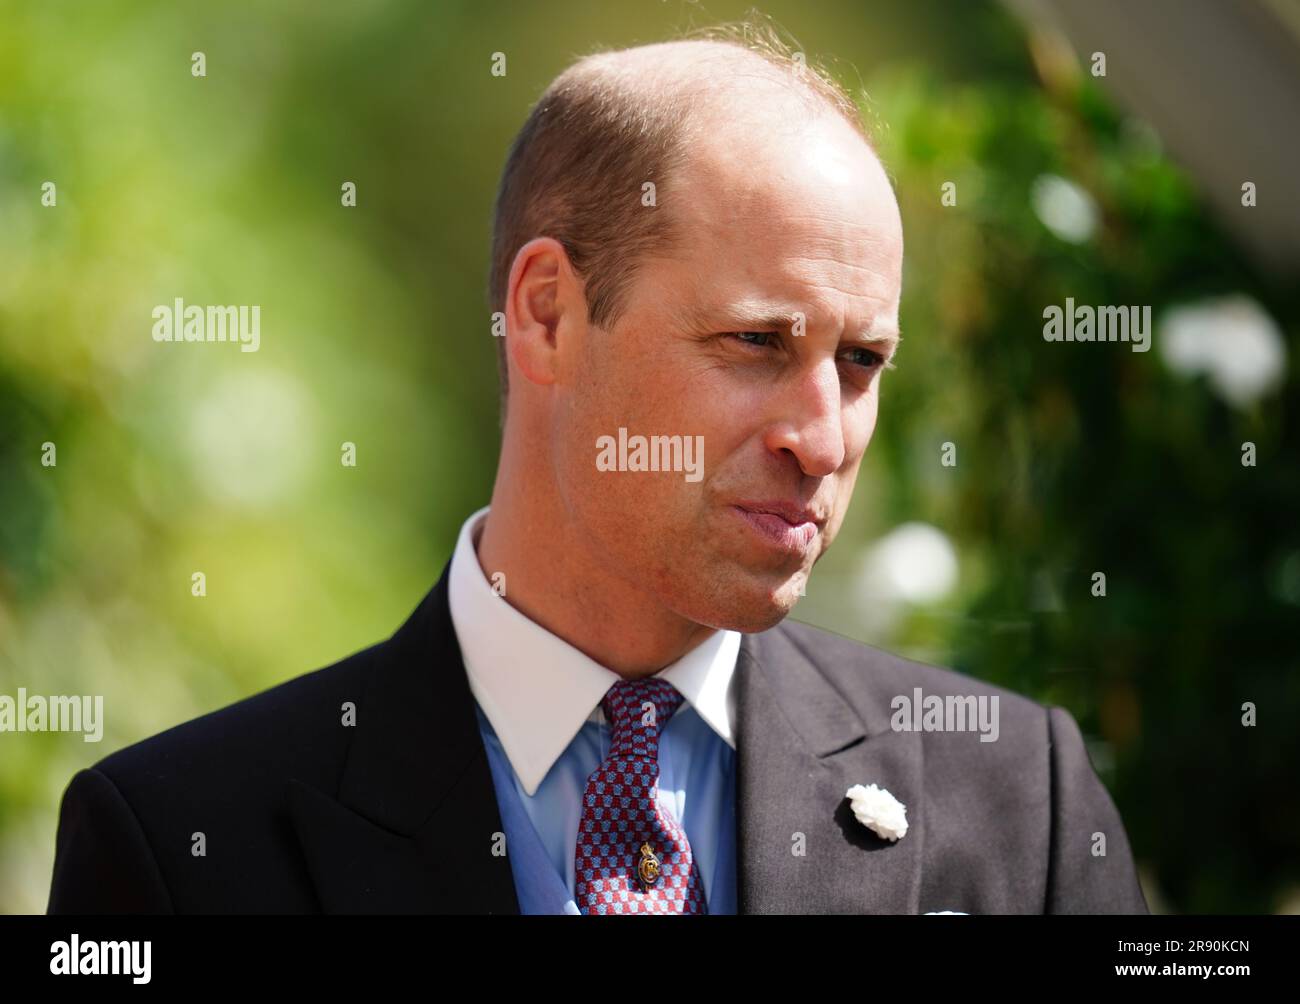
(748, 610)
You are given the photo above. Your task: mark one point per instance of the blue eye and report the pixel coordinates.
(867, 359)
(873, 358)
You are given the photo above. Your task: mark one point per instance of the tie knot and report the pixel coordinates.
(636, 711)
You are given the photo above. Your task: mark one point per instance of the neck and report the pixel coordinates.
(554, 579)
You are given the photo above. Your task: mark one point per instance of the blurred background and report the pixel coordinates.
(1072, 459)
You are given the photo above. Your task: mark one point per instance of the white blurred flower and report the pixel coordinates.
(914, 562)
(1232, 340)
(1064, 208)
(250, 436)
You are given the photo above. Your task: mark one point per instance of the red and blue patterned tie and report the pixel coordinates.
(631, 856)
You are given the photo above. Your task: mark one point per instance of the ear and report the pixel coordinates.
(541, 288)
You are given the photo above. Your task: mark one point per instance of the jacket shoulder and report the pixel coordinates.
(294, 728)
(194, 818)
(973, 733)
(862, 672)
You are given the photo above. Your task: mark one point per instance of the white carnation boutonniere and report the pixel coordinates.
(878, 810)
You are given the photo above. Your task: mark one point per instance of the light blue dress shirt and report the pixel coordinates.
(537, 700)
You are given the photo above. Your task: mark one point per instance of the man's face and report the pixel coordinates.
(708, 347)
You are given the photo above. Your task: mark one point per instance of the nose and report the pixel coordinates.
(809, 424)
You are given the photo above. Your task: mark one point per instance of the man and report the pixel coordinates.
(600, 707)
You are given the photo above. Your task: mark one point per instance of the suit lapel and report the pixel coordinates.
(800, 747)
(411, 829)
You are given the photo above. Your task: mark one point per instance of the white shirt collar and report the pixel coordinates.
(537, 690)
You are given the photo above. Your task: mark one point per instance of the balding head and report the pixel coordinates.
(603, 149)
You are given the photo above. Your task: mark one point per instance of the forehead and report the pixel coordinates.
(806, 218)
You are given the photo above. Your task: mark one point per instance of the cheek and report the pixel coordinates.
(859, 426)
(860, 422)
(623, 509)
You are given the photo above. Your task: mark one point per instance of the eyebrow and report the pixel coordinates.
(744, 318)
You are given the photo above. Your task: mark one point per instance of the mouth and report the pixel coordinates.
(785, 526)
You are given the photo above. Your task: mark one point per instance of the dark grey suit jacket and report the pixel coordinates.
(396, 814)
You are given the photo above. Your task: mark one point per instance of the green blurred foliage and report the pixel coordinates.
(375, 330)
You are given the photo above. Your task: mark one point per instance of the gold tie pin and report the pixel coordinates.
(648, 869)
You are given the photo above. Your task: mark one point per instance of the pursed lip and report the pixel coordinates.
(791, 512)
